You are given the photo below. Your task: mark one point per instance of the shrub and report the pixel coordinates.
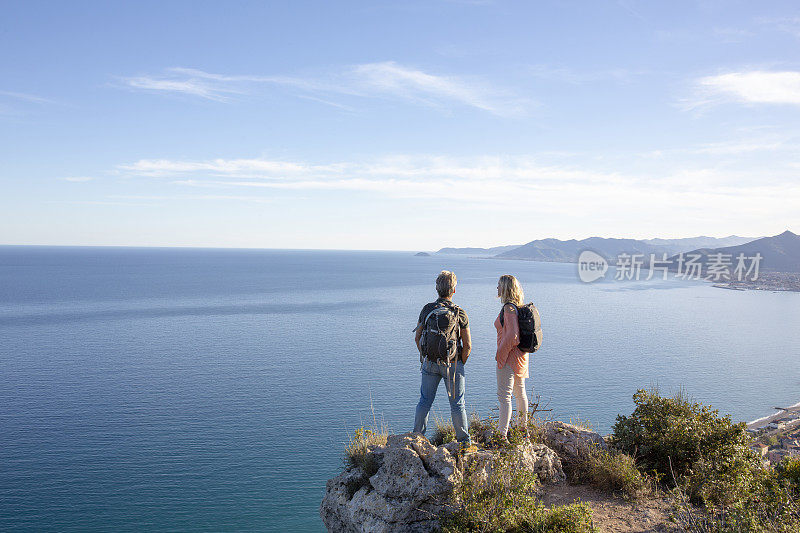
(536, 430)
(479, 426)
(768, 507)
(708, 458)
(611, 471)
(672, 435)
(508, 503)
(789, 469)
(721, 476)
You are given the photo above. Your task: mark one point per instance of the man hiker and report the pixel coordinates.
(443, 340)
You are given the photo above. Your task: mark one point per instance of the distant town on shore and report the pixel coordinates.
(778, 256)
(778, 436)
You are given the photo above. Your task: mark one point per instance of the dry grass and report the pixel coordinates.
(362, 441)
(581, 423)
(444, 431)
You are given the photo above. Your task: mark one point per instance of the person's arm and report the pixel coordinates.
(510, 335)
(466, 344)
(418, 336)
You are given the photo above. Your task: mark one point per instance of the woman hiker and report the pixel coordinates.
(512, 363)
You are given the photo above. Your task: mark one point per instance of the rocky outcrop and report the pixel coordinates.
(415, 481)
(571, 442)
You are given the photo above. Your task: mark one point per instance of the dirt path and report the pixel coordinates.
(612, 514)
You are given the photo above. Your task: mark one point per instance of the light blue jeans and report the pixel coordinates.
(432, 373)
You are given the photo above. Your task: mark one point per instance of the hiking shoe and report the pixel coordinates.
(467, 447)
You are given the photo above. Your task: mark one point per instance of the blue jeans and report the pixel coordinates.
(432, 373)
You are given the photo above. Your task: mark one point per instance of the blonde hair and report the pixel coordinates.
(446, 284)
(510, 291)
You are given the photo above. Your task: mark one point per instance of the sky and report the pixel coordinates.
(405, 125)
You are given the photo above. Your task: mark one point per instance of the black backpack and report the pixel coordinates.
(439, 340)
(530, 327)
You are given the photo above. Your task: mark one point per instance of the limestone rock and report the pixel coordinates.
(536, 458)
(415, 481)
(571, 442)
(542, 461)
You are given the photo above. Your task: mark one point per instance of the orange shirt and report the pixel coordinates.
(508, 352)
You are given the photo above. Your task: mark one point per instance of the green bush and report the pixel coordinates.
(720, 477)
(611, 471)
(789, 469)
(767, 506)
(507, 503)
(709, 460)
(677, 437)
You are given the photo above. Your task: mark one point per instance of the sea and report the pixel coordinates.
(162, 389)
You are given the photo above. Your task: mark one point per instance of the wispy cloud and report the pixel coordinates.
(485, 182)
(414, 85)
(749, 87)
(740, 147)
(386, 80)
(11, 101)
(205, 197)
(216, 167)
(26, 97)
(479, 180)
(789, 25)
(189, 82)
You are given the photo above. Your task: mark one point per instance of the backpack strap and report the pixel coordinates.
(502, 311)
(432, 312)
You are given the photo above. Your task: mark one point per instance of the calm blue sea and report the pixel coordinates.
(212, 390)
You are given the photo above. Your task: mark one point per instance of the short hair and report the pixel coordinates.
(510, 290)
(445, 283)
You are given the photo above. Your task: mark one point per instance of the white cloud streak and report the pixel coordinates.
(384, 80)
(491, 183)
(26, 97)
(748, 87)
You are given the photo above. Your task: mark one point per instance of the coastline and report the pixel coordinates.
(764, 420)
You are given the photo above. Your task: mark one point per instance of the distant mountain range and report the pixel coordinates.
(780, 253)
(693, 243)
(555, 250)
(478, 251)
(558, 251)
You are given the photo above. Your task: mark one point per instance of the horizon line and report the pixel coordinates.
(207, 247)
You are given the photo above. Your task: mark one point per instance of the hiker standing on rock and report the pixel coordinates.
(518, 333)
(443, 340)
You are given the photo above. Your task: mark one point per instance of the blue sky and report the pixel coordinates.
(396, 125)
